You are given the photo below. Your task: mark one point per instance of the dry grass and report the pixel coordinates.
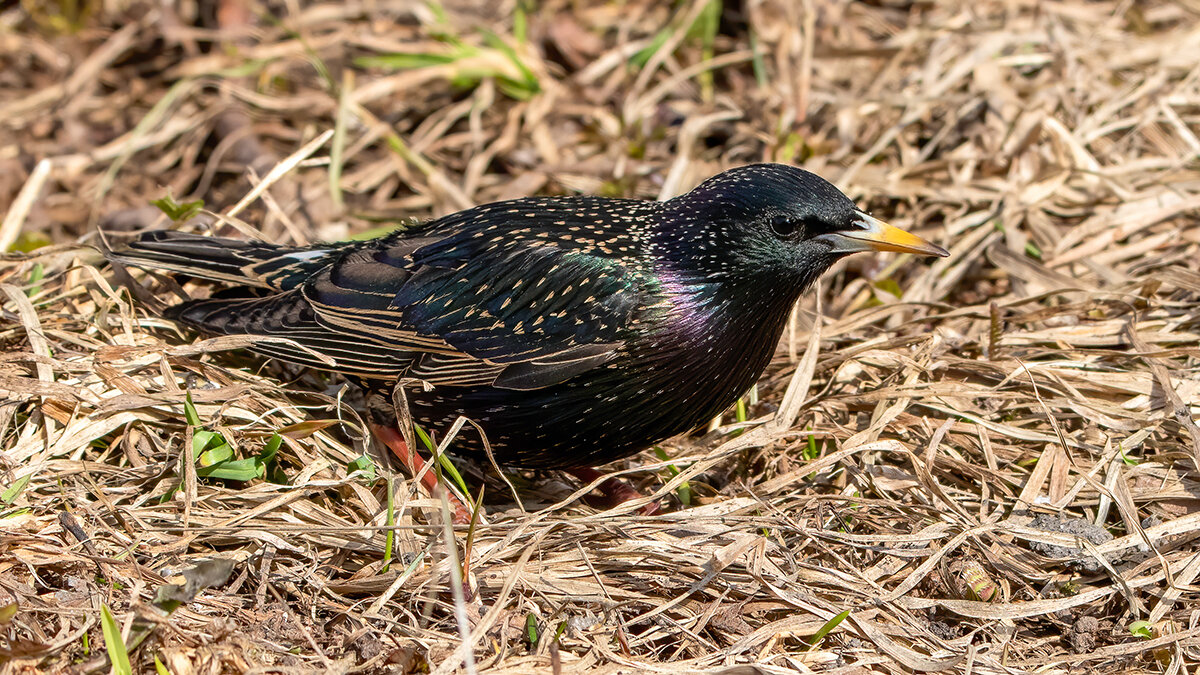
(1051, 365)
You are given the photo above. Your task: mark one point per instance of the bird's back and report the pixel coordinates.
(536, 287)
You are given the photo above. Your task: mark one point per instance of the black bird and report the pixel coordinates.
(574, 330)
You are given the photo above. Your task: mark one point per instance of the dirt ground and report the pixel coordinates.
(981, 464)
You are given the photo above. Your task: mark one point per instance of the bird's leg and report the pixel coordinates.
(390, 436)
(614, 490)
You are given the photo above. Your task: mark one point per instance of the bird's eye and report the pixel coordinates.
(784, 226)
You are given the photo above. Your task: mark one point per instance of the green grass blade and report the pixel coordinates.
(643, 55)
(36, 274)
(11, 493)
(531, 630)
(403, 61)
(389, 538)
(189, 411)
(443, 461)
(684, 491)
(825, 630)
(237, 469)
(365, 464)
(117, 653)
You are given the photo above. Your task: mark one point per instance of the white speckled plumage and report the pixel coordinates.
(574, 330)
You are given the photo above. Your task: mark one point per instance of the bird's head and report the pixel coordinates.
(771, 222)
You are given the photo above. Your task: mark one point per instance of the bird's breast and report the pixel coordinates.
(707, 347)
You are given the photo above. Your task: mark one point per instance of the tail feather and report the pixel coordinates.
(243, 311)
(265, 299)
(234, 261)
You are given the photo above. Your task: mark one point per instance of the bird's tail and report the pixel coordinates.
(234, 261)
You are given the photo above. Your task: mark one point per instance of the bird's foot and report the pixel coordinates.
(391, 437)
(613, 491)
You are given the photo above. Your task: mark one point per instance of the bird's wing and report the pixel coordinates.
(232, 261)
(509, 313)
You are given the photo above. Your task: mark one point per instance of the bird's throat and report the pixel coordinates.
(720, 339)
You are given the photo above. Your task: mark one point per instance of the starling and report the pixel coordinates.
(573, 330)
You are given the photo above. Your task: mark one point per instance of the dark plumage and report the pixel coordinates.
(574, 330)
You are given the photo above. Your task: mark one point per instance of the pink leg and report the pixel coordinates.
(390, 437)
(614, 490)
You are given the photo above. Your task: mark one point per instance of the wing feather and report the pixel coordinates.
(519, 304)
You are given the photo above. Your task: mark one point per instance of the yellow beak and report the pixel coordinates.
(872, 234)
